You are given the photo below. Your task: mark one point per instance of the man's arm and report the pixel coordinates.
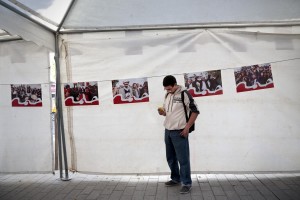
(194, 114)
(185, 131)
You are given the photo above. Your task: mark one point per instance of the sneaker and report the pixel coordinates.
(185, 189)
(171, 183)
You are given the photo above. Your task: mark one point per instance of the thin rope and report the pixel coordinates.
(162, 75)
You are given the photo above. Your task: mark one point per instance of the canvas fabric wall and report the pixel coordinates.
(25, 144)
(112, 14)
(249, 131)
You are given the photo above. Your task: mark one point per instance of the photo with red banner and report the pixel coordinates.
(81, 94)
(205, 83)
(130, 90)
(254, 77)
(26, 95)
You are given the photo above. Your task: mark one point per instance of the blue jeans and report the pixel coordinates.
(177, 150)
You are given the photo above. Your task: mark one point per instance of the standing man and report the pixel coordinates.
(177, 132)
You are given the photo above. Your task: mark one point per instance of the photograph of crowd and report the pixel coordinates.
(254, 77)
(26, 95)
(130, 90)
(204, 83)
(81, 93)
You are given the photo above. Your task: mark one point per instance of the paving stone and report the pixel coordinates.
(270, 197)
(138, 194)
(277, 186)
(246, 198)
(241, 177)
(218, 190)
(292, 194)
(264, 191)
(129, 191)
(150, 191)
(205, 186)
(248, 185)
(241, 190)
(121, 186)
(126, 197)
(59, 196)
(228, 188)
(88, 190)
(202, 178)
(281, 185)
(232, 195)
(256, 195)
(197, 197)
(141, 186)
(116, 195)
(81, 197)
(208, 194)
(162, 191)
(73, 194)
(94, 194)
(221, 198)
(196, 191)
(281, 195)
(149, 197)
(108, 189)
(103, 197)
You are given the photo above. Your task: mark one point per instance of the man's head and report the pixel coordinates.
(170, 84)
(126, 83)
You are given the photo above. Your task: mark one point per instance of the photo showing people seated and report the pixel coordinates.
(130, 90)
(81, 94)
(26, 95)
(205, 83)
(254, 77)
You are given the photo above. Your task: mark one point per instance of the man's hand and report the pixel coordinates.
(185, 132)
(161, 111)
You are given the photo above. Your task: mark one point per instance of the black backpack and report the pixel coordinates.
(187, 117)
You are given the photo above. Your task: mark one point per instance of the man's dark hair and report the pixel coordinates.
(169, 81)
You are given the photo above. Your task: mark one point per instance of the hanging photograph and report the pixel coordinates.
(130, 90)
(255, 77)
(81, 94)
(26, 95)
(205, 83)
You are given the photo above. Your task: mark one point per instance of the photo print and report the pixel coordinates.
(254, 77)
(81, 94)
(26, 95)
(130, 90)
(205, 83)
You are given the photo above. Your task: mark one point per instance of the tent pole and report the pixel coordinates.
(58, 108)
(181, 26)
(65, 16)
(61, 131)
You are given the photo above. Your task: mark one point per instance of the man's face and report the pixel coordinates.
(171, 89)
(126, 84)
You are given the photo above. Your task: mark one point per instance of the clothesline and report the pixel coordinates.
(163, 75)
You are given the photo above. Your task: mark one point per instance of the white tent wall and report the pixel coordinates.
(25, 144)
(250, 131)
(114, 13)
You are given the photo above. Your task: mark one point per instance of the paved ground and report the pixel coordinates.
(258, 186)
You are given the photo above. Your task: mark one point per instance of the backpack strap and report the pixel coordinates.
(184, 107)
(166, 95)
(192, 128)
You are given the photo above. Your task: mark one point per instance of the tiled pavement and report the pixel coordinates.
(270, 186)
